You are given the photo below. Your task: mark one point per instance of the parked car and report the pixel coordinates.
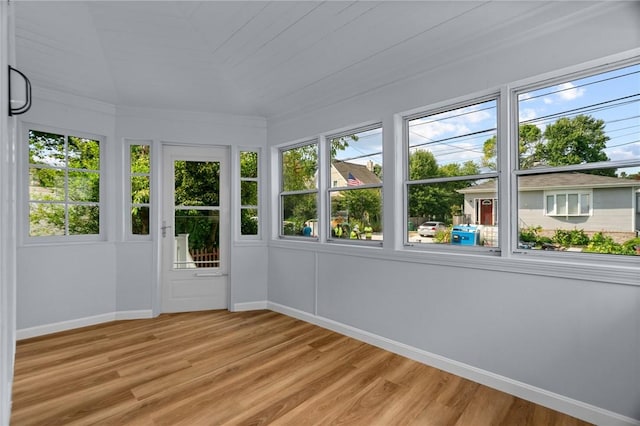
(429, 229)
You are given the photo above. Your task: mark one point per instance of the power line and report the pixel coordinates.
(438, 141)
(447, 117)
(578, 86)
(589, 108)
(622, 144)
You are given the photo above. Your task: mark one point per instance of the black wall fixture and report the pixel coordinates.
(22, 97)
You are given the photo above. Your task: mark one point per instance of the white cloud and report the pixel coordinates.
(527, 114)
(568, 92)
(624, 152)
(435, 129)
(547, 100)
(478, 116)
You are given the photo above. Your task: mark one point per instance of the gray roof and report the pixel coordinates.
(358, 171)
(558, 181)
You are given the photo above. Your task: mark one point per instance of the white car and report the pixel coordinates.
(429, 229)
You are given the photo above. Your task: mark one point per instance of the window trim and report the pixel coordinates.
(567, 193)
(496, 95)
(593, 68)
(619, 270)
(24, 197)
(330, 188)
(129, 235)
(239, 237)
(281, 193)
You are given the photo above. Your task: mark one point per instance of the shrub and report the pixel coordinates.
(530, 234)
(574, 237)
(606, 245)
(630, 245)
(443, 235)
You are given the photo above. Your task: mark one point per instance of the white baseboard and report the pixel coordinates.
(522, 390)
(250, 306)
(131, 315)
(41, 330)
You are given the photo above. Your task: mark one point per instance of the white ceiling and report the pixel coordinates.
(258, 58)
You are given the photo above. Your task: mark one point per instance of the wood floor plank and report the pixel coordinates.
(247, 368)
(487, 407)
(299, 386)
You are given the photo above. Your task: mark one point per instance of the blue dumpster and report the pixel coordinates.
(465, 235)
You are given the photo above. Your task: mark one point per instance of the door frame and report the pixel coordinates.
(158, 181)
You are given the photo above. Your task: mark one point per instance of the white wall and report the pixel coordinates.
(62, 285)
(64, 282)
(7, 224)
(572, 344)
(248, 271)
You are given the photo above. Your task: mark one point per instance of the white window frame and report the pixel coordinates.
(507, 257)
(259, 179)
(567, 193)
(330, 188)
(129, 235)
(282, 193)
(24, 217)
(535, 83)
(491, 95)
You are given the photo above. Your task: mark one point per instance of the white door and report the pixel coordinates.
(195, 229)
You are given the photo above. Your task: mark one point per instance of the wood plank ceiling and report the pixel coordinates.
(259, 58)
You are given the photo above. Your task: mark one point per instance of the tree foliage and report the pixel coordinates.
(364, 206)
(299, 166)
(197, 184)
(567, 141)
(436, 200)
(529, 137)
(140, 164)
(299, 173)
(63, 173)
(577, 140)
(248, 193)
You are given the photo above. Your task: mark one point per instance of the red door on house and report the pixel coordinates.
(486, 212)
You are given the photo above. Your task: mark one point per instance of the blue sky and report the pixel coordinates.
(613, 97)
(458, 136)
(455, 136)
(367, 147)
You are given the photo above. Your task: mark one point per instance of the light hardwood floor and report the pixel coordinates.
(249, 368)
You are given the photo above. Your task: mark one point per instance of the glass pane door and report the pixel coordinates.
(196, 214)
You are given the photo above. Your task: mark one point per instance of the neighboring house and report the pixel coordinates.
(553, 201)
(344, 173)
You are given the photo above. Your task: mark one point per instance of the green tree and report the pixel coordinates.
(50, 157)
(568, 141)
(299, 167)
(436, 200)
(299, 173)
(576, 140)
(341, 143)
(249, 164)
(529, 137)
(364, 206)
(140, 156)
(248, 192)
(422, 165)
(377, 170)
(197, 183)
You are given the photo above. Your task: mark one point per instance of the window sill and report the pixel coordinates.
(586, 268)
